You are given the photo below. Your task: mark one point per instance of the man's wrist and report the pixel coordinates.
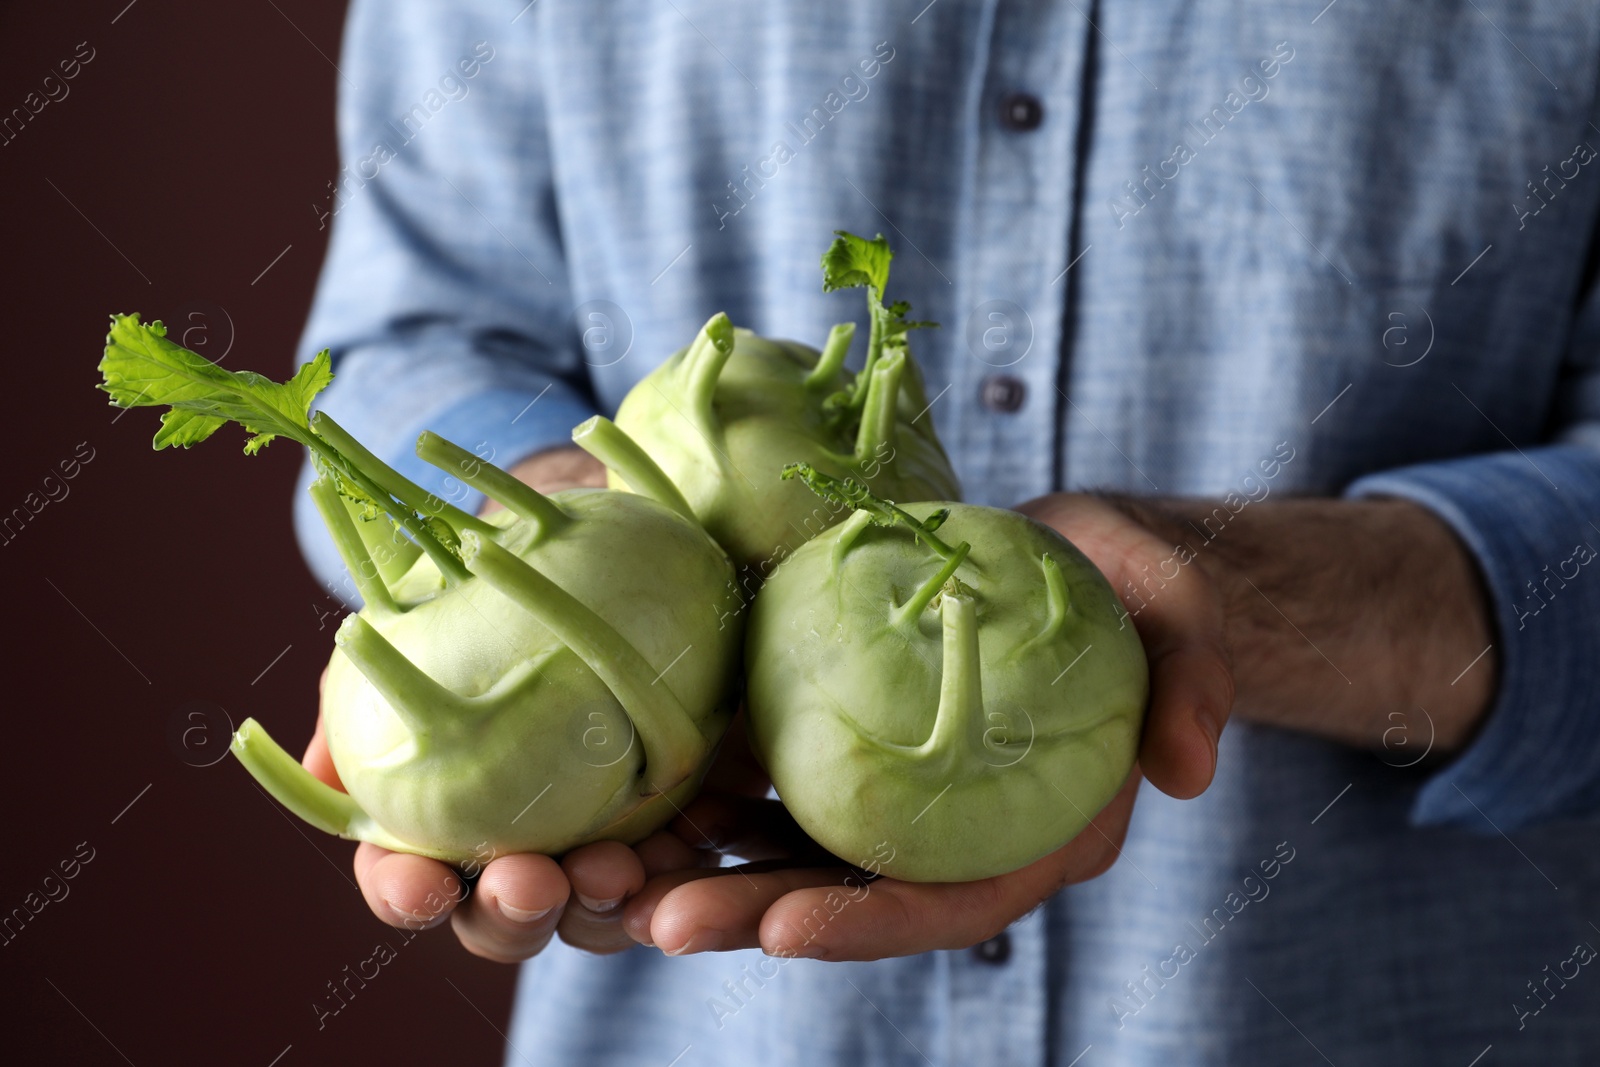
(1338, 614)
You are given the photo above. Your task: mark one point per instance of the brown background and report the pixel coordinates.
(186, 155)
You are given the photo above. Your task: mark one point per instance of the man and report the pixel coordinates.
(1309, 296)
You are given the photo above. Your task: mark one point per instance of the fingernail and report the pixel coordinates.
(517, 915)
(410, 918)
(1213, 728)
(808, 950)
(599, 907)
(699, 941)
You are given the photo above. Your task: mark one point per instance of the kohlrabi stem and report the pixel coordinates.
(348, 466)
(702, 366)
(293, 786)
(959, 722)
(141, 368)
(878, 416)
(606, 442)
(391, 550)
(522, 500)
(847, 532)
(912, 609)
(879, 318)
(826, 372)
(306, 795)
(851, 493)
(422, 703)
(916, 393)
(392, 482)
(450, 568)
(884, 513)
(1057, 603)
(1055, 586)
(352, 549)
(669, 736)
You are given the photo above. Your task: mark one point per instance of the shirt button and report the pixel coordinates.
(1003, 393)
(994, 951)
(1021, 111)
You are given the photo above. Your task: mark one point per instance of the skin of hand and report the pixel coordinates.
(520, 901)
(1346, 619)
(796, 903)
(1246, 621)
(1249, 617)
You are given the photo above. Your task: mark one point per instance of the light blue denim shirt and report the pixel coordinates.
(1240, 250)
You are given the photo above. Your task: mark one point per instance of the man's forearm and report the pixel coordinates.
(1339, 613)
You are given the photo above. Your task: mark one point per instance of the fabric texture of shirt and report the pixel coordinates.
(1233, 250)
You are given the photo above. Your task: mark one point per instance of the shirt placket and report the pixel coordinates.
(1016, 230)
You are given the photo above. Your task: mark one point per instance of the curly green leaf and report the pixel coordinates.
(141, 368)
(847, 492)
(851, 261)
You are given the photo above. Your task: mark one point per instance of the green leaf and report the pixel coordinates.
(851, 261)
(855, 261)
(141, 368)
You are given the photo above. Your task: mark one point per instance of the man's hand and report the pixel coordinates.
(1345, 618)
(555, 469)
(795, 902)
(1332, 616)
(1315, 607)
(520, 901)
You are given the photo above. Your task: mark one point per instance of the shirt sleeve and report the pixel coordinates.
(1529, 515)
(444, 299)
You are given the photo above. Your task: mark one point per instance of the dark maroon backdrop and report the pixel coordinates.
(181, 160)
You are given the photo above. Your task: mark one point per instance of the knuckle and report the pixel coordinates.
(784, 931)
(499, 946)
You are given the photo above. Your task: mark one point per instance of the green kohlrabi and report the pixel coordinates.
(724, 415)
(943, 691)
(556, 674)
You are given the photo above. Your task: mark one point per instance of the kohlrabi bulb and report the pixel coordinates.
(723, 416)
(571, 688)
(558, 674)
(942, 713)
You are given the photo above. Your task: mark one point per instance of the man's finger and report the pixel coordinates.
(1191, 694)
(717, 910)
(603, 876)
(888, 917)
(1179, 617)
(412, 892)
(639, 911)
(1191, 683)
(663, 851)
(318, 762)
(514, 910)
